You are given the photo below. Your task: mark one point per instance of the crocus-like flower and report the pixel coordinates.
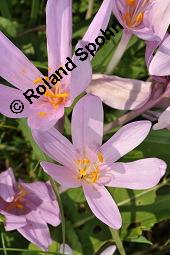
(46, 110)
(159, 68)
(28, 208)
(93, 166)
(148, 19)
(120, 93)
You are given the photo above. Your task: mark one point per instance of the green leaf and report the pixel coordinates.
(8, 27)
(34, 11)
(4, 9)
(23, 126)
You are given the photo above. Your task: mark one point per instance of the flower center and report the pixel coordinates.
(133, 17)
(56, 97)
(89, 171)
(18, 199)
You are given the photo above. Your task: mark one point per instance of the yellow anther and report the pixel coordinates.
(42, 114)
(139, 19)
(36, 81)
(100, 157)
(39, 80)
(131, 2)
(82, 172)
(19, 206)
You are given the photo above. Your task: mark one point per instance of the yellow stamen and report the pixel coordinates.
(131, 2)
(51, 95)
(88, 171)
(100, 157)
(17, 201)
(36, 81)
(42, 114)
(39, 80)
(139, 19)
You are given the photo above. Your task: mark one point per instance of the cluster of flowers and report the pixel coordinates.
(85, 162)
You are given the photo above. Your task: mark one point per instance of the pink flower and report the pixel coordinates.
(148, 19)
(93, 166)
(45, 111)
(120, 93)
(159, 68)
(28, 208)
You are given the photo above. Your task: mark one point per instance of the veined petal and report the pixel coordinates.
(64, 176)
(140, 174)
(164, 120)
(59, 32)
(7, 185)
(43, 123)
(13, 222)
(150, 48)
(58, 147)
(120, 93)
(157, 18)
(125, 140)
(81, 76)
(50, 213)
(160, 64)
(100, 21)
(102, 205)
(7, 106)
(15, 67)
(36, 231)
(87, 123)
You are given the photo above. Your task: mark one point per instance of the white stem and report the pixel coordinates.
(119, 51)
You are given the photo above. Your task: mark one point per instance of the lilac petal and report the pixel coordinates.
(7, 97)
(81, 76)
(59, 32)
(109, 250)
(40, 189)
(15, 67)
(62, 175)
(125, 140)
(58, 147)
(87, 123)
(7, 185)
(37, 122)
(100, 21)
(157, 18)
(150, 48)
(36, 231)
(13, 222)
(120, 93)
(164, 120)
(140, 174)
(160, 64)
(102, 205)
(50, 213)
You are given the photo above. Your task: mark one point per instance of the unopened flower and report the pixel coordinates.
(28, 208)
(120, 93)
(17, 70)
(93, 166)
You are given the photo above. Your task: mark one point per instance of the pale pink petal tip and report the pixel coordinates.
(162, 167)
